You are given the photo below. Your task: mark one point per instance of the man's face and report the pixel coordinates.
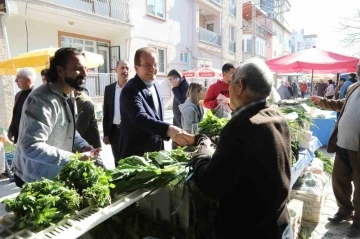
(227, 75)
(22, 82)
(74, 72)
(147, 70)
(122, 70)
(43, 79)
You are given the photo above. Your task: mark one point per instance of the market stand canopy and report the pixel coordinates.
(40, 59)
(203, 72)
(313, 59)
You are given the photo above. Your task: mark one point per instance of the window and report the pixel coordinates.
(156, 8)
(161, 60)
(184, 57)
(82, 44)
(248, 45)
(210, 26)
(232, 39)
(232, 8)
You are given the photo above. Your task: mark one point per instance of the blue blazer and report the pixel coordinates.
(142, 129)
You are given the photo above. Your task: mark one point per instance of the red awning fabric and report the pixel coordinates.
(314, 59)
(204, 72)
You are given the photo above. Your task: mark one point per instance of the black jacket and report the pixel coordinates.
(250, 173)
(108, 108)
(142, 129)
(179, 98)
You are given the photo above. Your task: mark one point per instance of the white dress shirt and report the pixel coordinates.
(155, 98)
(117, 116)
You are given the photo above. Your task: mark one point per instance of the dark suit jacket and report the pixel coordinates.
(142, 129)
(86, 123)
(108, 108)
(250, 173)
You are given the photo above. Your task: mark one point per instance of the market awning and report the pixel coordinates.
(203, 72)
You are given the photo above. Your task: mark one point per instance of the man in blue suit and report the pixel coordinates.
(142, 111)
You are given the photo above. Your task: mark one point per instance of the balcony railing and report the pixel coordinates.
(210, 37)
(96, 82)
(232, 46)
(116, 9)
(218, 2)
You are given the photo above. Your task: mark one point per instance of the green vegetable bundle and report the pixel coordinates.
(328, 163)
(91, 182)
(212, 125)
(42, 203)
(154, 169)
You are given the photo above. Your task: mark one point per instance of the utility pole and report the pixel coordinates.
(253, 22)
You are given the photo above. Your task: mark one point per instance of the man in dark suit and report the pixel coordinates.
(111, 108)
(25, 81)
(142, 110)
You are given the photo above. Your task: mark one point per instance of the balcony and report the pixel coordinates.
(232, 46)
(114, 9)
(96, 82)
(210, 37)
(248, 55)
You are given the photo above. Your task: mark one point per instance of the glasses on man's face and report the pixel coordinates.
(149, 67)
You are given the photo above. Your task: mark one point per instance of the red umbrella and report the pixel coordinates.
(203, 72)
(313, 59)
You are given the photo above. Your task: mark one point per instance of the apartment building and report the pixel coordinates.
(301, 41)
(272, 30)
(187, 34)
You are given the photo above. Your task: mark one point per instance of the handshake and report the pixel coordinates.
(182, 138)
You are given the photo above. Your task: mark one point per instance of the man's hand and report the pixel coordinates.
(174, 83)
(10, 136)
(87, 148)
(225, 101)
(106, 140)
(90, 155)
(315, 99)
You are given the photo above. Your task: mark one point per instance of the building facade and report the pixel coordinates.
(300, 41)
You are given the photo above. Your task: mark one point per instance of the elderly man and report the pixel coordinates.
(25, 81)
(142, 111)
(250, 169)
(111, 107)
(47, 136)
(345, 142)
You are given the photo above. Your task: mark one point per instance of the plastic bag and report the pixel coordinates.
(8, 145)
(222, 110)
(316, 166)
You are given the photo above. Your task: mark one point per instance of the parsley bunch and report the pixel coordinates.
(42, 203)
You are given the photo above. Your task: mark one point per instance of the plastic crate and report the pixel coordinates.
(295, 208)
(313, 204)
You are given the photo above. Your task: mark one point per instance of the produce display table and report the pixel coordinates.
(324, 126)
(305, 158)
(76, 225)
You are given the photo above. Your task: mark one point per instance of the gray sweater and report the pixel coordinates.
(349, 125)
(191, 115)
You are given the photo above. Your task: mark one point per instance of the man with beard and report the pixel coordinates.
(47, 136)
(111, 108)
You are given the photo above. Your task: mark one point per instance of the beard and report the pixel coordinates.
(76, 83)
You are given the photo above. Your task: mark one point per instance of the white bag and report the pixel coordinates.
(222, 110)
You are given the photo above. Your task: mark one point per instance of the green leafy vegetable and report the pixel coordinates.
(212, 125)
(42, 203)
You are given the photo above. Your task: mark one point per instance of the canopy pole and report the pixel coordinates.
(311, 84)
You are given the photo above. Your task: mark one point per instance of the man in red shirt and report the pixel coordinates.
(303, 89)
(219, 87)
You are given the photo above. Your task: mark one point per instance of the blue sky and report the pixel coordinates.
(322, 17)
